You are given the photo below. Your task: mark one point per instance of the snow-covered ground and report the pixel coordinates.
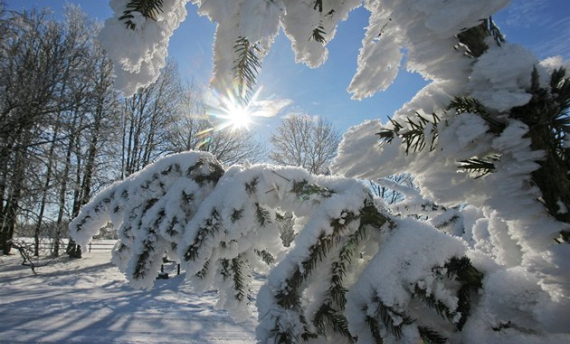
(89, 301)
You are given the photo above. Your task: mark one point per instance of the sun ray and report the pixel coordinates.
(233, 113)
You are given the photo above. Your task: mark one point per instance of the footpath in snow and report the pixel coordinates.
(89, 301)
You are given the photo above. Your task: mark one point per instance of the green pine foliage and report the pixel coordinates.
(319, 34)
(416, 133)
(546, 114)
(471, 105)
(473, 39)
(235, 270)
(246, 66)
(383, 319)
(318, 5)
(266, 256)
(304, 190)
(429, 336)
(148, 9)
(210, 228)
(345, 244)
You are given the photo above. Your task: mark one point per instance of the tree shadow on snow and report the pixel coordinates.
(116, 313)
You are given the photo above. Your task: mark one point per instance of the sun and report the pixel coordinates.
(238, 118)
(232, 113)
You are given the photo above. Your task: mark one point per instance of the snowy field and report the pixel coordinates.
(89, 301)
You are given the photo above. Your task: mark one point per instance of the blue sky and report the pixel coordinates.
(543, 26)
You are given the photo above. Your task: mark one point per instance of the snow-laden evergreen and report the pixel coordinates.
(470, 150)
(251, 24)
(140, 53)
(478, 254)
(223, 226)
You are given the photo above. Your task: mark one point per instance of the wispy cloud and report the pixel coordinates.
(559, 44)
(268, 108)
(546, 21)
(526, 13)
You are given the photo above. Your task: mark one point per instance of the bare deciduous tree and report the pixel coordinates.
(56, 109)
(38, 62)
(309, 142)
(146, 117)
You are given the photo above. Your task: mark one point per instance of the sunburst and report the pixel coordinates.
(232, 113)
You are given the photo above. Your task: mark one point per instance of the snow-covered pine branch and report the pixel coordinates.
(137, 40)
(221, 225)
(488, 133)
(138, 45)
(150, 210)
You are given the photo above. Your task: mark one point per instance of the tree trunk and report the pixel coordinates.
(63, 187)
(13, 200)
(45, 190)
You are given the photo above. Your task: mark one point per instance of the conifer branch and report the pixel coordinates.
(212, 172)
(334, 301)
(240, 286)
(318, 34)
(386, 315)
(471, 281)
(210, 227)
(474, 38)
(546, 115)
(204, 271)
(414, 135)
(338, 322)
(375, 329)
(304, 190)
(480, 167)
(148, 9)
(471, 105)
(430, 336)
(289, 296)
(251, 187)
(440, 308)
(246, 66)
(265, 256)
(236, 215)
(263, 216)
(318, 5)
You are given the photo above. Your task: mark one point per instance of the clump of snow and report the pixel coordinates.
(426, 29)
(266, 14)
(139, 54)
(406, 261)
(501, 77)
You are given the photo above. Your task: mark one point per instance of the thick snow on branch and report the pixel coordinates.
(470, 152)
(426, 29)
(354, 269)
(139, 54)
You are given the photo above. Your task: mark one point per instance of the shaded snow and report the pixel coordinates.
(90, 301)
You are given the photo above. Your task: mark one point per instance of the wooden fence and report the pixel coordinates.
(101, 245)
(47, 243)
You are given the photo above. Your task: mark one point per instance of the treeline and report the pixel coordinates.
(65, 132)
